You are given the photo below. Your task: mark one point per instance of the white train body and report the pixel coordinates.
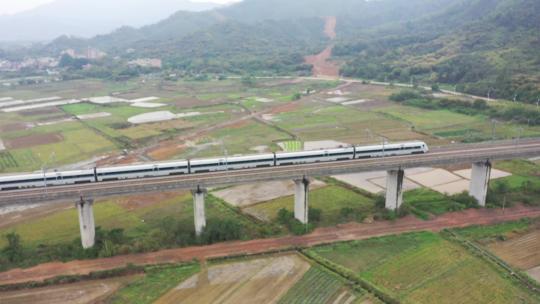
(141, 171)
(306, 157)
(231, 163)
(37, 180)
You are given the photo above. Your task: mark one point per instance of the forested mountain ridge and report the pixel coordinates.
(480, 45)
(254, 36)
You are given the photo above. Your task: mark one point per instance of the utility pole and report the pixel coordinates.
(493, 122)
(369, 134)
(384, 139)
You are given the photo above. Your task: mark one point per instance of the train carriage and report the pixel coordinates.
(208, 165)
(305, 157)
(231, 163)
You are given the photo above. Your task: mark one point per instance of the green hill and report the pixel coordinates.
(479, 45)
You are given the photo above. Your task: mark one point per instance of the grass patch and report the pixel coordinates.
(293, 146)
(63, 226)
(156, 282)
(330, 200)
(424, 202)
(486, 234)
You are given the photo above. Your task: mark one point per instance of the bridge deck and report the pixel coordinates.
(438, 156)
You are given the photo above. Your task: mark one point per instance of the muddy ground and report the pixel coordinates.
(352, 231)
(256, 281)
(77, 293)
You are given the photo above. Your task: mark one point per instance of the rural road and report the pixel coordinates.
(346, 232)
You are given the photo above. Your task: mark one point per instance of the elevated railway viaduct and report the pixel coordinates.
(479, 155)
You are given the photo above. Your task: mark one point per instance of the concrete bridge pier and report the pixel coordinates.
(301, 207)
(394, 189)
(198, 209)
(86, 222)
(480, 175)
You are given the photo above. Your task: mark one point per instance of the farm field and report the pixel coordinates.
(138, 216)
(455, 126)
(329, 289)
(76, 293)
(233, 118)
(517, 243)
(51, 136)
(330, 200)
(262, 280)
(155, 282)
(425, 268)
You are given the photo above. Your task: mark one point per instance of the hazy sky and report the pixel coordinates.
(14, 6)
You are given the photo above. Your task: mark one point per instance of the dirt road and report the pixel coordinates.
(319, 236)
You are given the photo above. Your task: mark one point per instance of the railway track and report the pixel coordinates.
(437, 156)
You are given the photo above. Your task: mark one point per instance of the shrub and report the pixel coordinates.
(315, 215)
(13, 251)
(404, 95)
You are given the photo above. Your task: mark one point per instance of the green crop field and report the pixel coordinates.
(330, 199)
(425, 268)
(456, 126)
(351, 125)
(292, 146)
(318, 286)
(156, 282)
(240, 139)
(485, 234)
(425, 202)
(63, 226)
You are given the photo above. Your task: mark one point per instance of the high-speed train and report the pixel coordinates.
(195, 166)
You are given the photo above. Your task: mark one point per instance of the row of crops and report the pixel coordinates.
(317, 286)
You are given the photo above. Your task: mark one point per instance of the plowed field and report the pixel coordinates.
(255, 281)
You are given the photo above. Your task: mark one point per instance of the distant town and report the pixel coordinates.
(52, 65)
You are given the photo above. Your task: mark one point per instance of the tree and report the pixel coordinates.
(13, 250)
(315, 214)
(248, 81)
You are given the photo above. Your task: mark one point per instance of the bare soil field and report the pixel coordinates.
(12, 218)
(42, 111)
(190, 102)
(288, 107)
(255, 281)
(18, 126)
(353, 231)
(78, 293)
(33, 140)
(521, 251)
(145, 200)
(534, 273)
